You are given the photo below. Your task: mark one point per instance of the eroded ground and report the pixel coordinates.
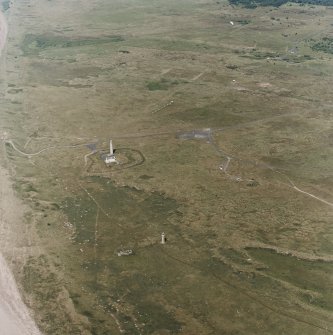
(224, 134)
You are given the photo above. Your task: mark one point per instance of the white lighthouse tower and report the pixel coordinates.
(110, 158)
(111, 148)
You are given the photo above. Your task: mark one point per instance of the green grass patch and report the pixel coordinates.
(160, 85)
(278, 3)
(5, 5)
(324, 45)
(125, 217)
(314, 276)
(290, 58)
(33, 44)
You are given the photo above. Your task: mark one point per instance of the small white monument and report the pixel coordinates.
(163, 238)
(110, 158)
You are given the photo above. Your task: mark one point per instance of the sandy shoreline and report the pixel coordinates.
(15, 318)
(14, 315)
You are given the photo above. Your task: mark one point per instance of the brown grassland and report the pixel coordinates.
(224, 136)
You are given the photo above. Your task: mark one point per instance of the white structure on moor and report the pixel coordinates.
(163, 238)
(110, 158)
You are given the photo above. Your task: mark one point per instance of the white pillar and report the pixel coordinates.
(111, 148)
(163, 238)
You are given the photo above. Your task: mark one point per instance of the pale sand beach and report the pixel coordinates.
(14, 315)
(15, 318)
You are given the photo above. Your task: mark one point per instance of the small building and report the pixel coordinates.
(109, 159)
(127, 252)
